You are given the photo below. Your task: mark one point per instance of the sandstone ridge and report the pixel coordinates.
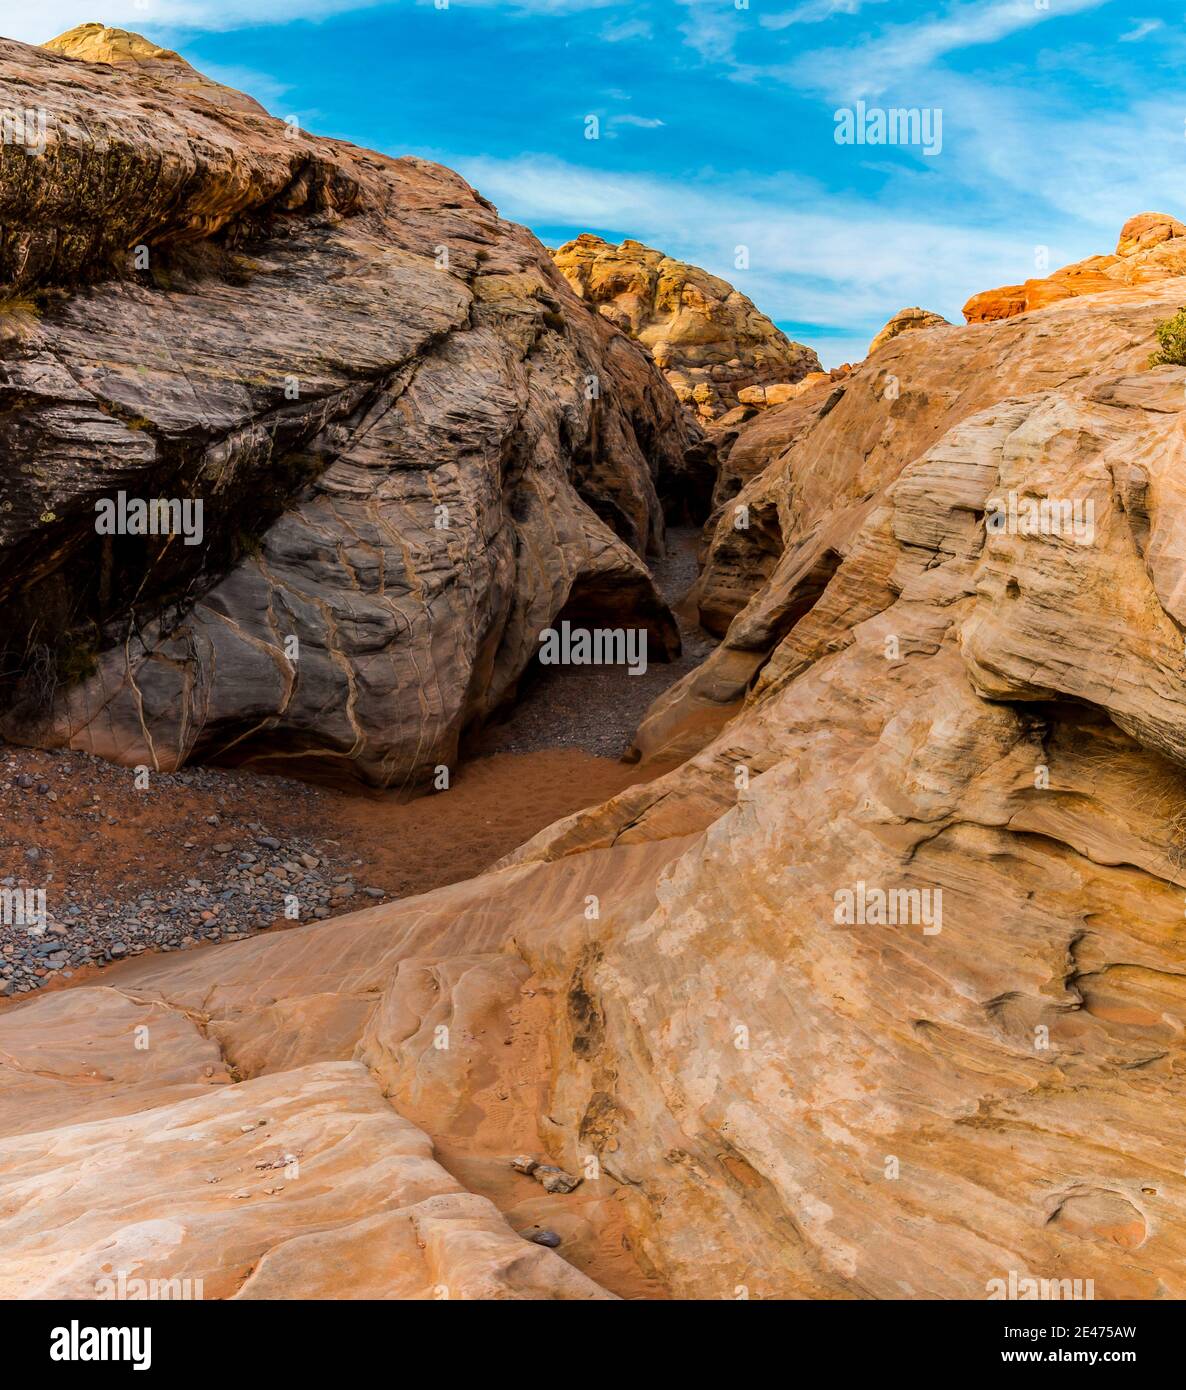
(1151, 248)
(674, 996)
(706, 336)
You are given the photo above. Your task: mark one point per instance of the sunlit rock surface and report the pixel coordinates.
(709, 339)
(877, 995)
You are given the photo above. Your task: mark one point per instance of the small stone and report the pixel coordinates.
(523, 1163)
(554, 1179)
(548, 1238)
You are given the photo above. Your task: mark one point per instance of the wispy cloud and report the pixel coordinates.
(48, 18)
(1141, 30)
(266, 89)
(627, 30)
(813, 12)
(643, 122)
(835, 262)
(878, 62)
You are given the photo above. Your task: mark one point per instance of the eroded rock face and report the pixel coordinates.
(797, 481)
(1152, 247)
(882, 993)
(906, 321)
(414, 448)
(705, 335)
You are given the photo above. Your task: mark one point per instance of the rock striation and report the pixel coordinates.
(706, 336)
(876, 994)
(413, 447)
(119, 48)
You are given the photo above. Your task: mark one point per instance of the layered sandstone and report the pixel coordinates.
(706, 336)
(907, 321)
(414, 447)
(97, 43)
(765, 1094)
(1151, 248)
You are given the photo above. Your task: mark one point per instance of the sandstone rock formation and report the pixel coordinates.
(96, 43)
(906, 321)
(763, 1090)
(705, 335)
(1151, 247)
(414, 447)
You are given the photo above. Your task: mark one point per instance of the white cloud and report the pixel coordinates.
(45, 20)
(623, 31)
(643, 122)
(901, 50)
(835, 262)
(1061, 174)
(35, 23)
(711, 29)
(266, 89)
(1141, 30)
(812, 12)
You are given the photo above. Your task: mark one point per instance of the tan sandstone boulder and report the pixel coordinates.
(704, 334)
(96, 43)
(1151, 247)
(906, 321)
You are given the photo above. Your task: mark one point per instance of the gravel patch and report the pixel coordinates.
(598, 708)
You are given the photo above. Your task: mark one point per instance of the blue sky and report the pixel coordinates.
(1061, 118)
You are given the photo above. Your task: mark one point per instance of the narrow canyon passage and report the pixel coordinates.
(210, 855)
(597, 708)
(213, 854)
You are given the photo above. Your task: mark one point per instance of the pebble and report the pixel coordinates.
(225, 891)
(548, 1238)
(553, 1179)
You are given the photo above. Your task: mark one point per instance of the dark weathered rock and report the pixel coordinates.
(414, 447)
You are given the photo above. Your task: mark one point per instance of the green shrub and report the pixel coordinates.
(1172, 336)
